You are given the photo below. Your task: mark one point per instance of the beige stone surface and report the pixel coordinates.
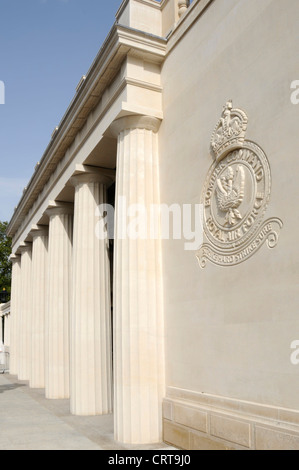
(225, 332)
(15, 314)
(57, 322)
(24, 324)
(229, 329)
(139, 376)
(34, 423)
(39, 306)
(273, 439)
(176, 435)
(7, 330)
(90, 315)
(290, 416)
(167, 410)
(142, 15)
(190, 417)
(232, 430)
(238, 427)
(199, 442)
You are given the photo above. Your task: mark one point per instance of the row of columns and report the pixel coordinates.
(61, 336)
(5, 329)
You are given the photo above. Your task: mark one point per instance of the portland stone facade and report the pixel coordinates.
(193, 348)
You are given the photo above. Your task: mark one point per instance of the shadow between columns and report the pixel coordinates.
(10, 387)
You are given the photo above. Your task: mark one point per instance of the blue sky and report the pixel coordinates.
(45, 48)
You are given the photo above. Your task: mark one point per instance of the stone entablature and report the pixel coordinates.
(111, 89)
(4, 309)
(124, 79)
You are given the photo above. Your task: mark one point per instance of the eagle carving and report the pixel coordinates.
(230, 194)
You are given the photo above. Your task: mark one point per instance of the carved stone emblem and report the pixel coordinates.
(230, 193)
(236, 195)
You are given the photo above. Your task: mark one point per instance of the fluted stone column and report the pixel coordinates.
(15, 313)
(58, 301)
(138, 307)
(91, 336)
(25, 312)
(39, 302)
(7, 319)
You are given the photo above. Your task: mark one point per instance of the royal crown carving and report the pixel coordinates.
(230, 131)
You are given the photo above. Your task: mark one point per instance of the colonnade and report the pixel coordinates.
(62, 338)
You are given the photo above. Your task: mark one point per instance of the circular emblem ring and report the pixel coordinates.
(235, 196)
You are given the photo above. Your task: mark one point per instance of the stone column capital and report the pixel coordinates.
(135, 122)
(59, 208)
(15, 258)
(25, 247)
(93, 175)
(39, 231)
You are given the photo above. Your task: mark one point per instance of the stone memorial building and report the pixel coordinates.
(186, 328)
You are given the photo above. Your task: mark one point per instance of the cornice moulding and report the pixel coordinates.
(120, 41)
(4, 309)
(152, 3)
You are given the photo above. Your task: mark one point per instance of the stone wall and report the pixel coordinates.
(229, 329)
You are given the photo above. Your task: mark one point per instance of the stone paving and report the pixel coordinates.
(28, 421)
